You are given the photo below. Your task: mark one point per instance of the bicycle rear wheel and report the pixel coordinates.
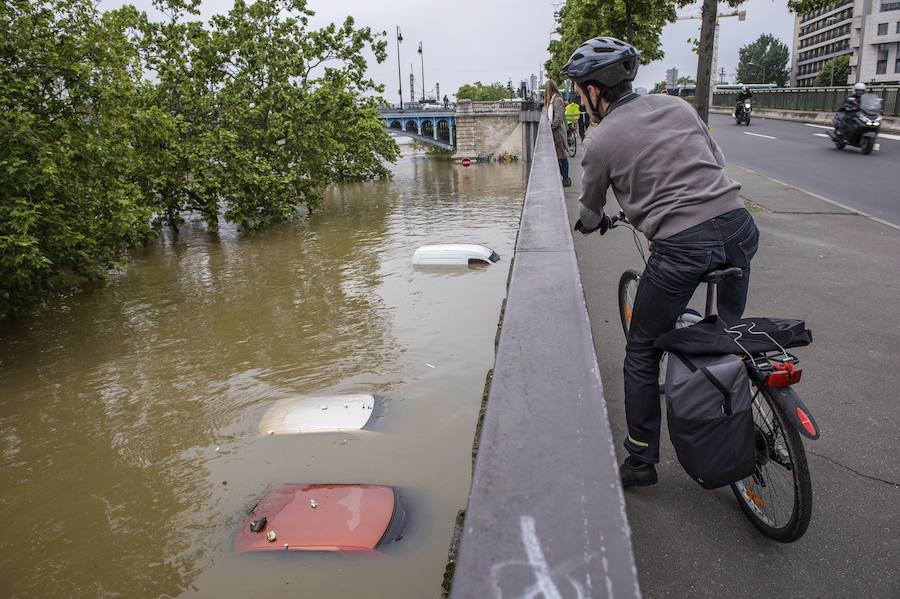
(572, 140)
(777, 497)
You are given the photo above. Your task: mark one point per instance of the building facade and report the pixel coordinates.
(868, 31)
(876, 43)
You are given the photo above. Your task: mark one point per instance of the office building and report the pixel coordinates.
(868, 31)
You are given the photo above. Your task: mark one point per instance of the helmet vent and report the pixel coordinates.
(602, 50)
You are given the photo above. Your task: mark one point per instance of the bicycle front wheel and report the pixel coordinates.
(777, 497)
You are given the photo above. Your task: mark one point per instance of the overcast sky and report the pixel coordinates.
(495, 40)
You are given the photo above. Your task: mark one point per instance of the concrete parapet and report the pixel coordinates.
(546, 513)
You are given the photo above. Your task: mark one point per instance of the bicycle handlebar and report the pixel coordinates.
(618, 218)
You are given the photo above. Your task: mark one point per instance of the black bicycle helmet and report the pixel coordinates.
(603, 60)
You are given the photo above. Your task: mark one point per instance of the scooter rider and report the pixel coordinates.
(744, 94)
(678, 196)
(850, 105)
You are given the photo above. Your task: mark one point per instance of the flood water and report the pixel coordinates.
(129, 442)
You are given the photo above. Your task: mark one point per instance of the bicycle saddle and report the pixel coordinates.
(715, 276)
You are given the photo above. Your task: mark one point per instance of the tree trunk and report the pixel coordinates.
(629, 24)
(704, 61)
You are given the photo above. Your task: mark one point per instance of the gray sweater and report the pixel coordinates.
(666, 171)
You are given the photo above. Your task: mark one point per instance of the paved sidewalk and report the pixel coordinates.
(840, 272)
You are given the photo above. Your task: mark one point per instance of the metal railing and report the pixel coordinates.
(505, 106)
(811, 99)
(419, 107)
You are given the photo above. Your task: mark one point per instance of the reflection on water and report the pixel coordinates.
(129, 417)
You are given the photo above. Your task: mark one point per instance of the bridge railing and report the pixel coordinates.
(546, 515)
(477, 107)
(418, 107)
(811, 99)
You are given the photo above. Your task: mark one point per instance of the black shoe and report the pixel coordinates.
(567, 182)
(637, 476)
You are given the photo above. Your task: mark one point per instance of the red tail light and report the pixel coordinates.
(785, 375)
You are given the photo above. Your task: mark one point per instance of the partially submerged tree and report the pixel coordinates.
(112, 122)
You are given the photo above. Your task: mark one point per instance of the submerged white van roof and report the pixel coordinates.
(294, 415)
(453, 254)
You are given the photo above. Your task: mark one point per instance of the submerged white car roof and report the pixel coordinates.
(293, 415)
(452, 254)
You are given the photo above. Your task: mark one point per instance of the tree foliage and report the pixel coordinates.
(113, 123)
(639, 22)
(481, 92)
(764, 61)
(841, 67)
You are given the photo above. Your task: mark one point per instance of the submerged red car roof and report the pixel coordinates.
(323, 517)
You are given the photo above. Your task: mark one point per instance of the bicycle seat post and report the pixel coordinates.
(710, 297)
(712, 280)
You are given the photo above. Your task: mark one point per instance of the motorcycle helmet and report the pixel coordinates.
(745, 89)
(859, 89)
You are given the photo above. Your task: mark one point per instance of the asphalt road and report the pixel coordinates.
(801, 155)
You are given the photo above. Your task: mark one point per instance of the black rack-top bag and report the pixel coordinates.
(710, 419)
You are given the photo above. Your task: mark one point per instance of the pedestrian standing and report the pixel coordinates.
(556, 112)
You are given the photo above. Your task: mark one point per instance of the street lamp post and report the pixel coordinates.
(422, 57)
(763, 65)
(399, 74)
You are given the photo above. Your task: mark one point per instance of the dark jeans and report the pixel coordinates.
(673, 273)
(564, 168)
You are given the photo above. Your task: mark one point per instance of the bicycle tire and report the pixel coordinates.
(627, 282)
(572, 142)
(797, 523)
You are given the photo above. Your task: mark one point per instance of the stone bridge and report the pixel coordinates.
(469, 129)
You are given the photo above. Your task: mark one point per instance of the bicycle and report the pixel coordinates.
(571, 140)
(777, 497)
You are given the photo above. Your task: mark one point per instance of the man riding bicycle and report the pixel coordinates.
(678, 196)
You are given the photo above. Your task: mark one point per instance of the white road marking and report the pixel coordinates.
(759, 135)
(880, 135)
(821, 135)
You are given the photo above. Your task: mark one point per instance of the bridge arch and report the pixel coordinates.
(411, 126)
(443, 130)
(396, 125)
(428, 128)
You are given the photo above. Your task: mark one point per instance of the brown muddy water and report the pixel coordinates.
(129, 442)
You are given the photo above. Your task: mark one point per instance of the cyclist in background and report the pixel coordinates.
(678, 196)
(573, 112)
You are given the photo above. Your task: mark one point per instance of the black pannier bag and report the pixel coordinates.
(710, 419)
(754, 335)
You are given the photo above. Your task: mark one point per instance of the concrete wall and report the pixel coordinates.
(546, 515)
(485, 128)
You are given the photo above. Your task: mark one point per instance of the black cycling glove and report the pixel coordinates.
(603, 226)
